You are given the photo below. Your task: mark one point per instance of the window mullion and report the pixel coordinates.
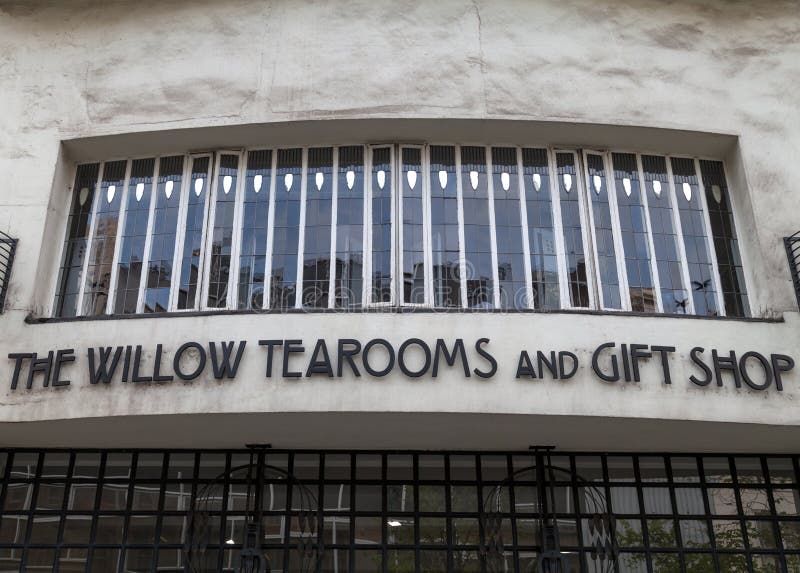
(558, 230)
(492, 228)
(594, 286)
(619, 248)
(334, 223)
(712, 251)
(123, 210)
(427, 241)
(92, 230)
(180, 231)
(236, 232)
(366, 225)
(462, 253)
(398, 266)
(676, 220)
(148, 239)
(650, 241)
(298, 299)
(267, 298)
(208, 234)
(526, 250)
(394, 248)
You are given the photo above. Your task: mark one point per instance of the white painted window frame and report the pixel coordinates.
(582, 186)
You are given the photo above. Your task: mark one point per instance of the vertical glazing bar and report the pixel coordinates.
(236, 240)
(272, 186)
(509, 250)
(560, 234)
(412, 262)
(88, 248)
(477, 228)
(381, 220)
(462, 256)
(298, 302)
(334, 230)
(490, 180)
(286, 231)
(350, 227)
(526, 250)
(317, 227)
(219, 233)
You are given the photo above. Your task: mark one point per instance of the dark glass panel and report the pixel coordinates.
(572, 227)
(541, 235)
(317, 234)
(134, 234)
(477, 228)
(219, 259)
(634, 231)
(382, 198)
(723, 231)
(603, 232)
(197, 192)
(283, 284)
(101, 246)
(695, 236)
(350, 228)
(444, 227)
(167, 199)
(508, 229)
(413, 261)
(255, 217)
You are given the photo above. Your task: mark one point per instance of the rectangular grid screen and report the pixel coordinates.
(454, 226)
(335, 511)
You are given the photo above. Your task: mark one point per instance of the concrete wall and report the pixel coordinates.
(92, 80)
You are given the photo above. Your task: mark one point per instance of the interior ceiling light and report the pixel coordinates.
(393, 523)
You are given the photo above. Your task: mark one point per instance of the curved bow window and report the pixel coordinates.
(441, 226)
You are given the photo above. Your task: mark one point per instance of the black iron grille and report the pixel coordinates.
(793, 252)
(8, 247)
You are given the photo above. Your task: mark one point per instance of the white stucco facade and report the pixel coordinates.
(92, 81)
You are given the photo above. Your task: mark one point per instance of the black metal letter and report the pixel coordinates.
(450, 358)
(346, 354)
(365, 357)
(224, 368)
(525, 366)
(664, 351)
(614, 366)
(270, 344)
(699, 361)
(18, 359)
(764, 364)
(486, 356)
(780, 363)
(291, 347)
(62, 357)
(201, 362)
(317, 366)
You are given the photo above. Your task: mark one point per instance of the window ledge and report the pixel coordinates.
(30, 319)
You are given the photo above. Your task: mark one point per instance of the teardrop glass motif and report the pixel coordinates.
(83, 195)
(687, 191)
(198, 186)
(717, 193)
(168, 189)
(443, 179)
(139, 191)
(288, 179)
(381, 178)
(112, 190)
(505, 181)
(626, 184)
(597, 183)
(319, 179)
(567, 181)
(411, 176)
(350, 177)
(537, 181)
(657, 188)
(473, 179)
(227, 181)
(258, 181)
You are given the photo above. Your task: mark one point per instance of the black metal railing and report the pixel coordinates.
(793, 252)
(8, 248)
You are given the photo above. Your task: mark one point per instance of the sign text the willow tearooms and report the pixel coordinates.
(377, 358)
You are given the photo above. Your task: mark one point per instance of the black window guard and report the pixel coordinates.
(8, 247)
(793, 252)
